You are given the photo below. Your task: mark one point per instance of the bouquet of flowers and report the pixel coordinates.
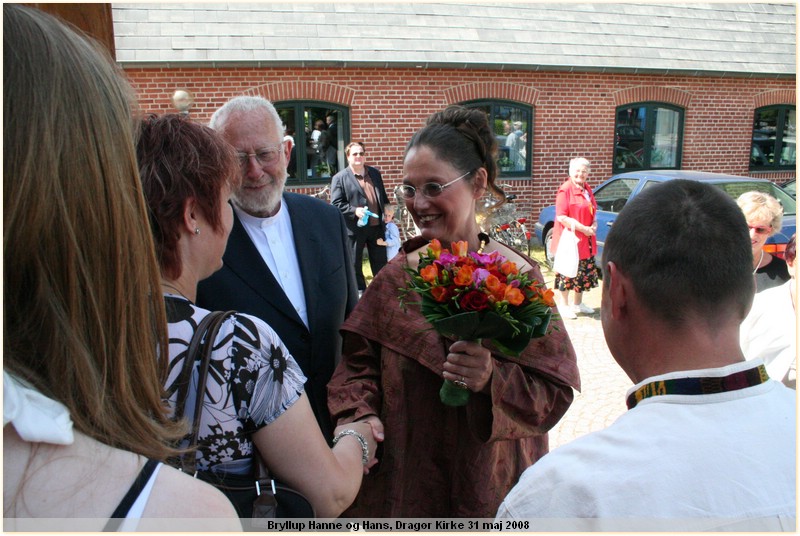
(474, 296)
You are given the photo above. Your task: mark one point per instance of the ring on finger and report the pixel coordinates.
(461, 383)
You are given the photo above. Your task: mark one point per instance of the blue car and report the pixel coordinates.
(790, 188)
(614, 194)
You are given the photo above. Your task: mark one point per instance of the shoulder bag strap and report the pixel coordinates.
(185, 377)
(201, 347)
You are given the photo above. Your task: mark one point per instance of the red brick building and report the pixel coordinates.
(722, 99)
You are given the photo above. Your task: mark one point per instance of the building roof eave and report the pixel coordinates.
(447, 66)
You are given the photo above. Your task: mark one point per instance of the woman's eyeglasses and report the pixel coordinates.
(357, 153)
(429, 189)
(267, 155)
(759, 229)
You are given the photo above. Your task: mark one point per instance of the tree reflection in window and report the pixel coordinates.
(774, 144)
(513, 129)
(648, 136)
(319, 132)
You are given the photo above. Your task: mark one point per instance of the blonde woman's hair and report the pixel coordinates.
(760, 206)
(83, 313)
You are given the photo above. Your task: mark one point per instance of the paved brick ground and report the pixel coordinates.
(603, 383)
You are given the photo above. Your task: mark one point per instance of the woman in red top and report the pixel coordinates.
(575, 206)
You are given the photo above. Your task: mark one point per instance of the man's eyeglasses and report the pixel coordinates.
(357, 153)
(267, 155)
(429, 189)
(760, 230)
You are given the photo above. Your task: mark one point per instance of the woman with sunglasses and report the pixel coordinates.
(764, 215)
(769, 331)
(439, 461)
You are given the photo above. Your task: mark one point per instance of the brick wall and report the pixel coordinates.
(574, 113)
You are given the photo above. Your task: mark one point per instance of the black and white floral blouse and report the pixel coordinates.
(252, 380)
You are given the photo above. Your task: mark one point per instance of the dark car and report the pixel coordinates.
(614, 194)
(630, 137)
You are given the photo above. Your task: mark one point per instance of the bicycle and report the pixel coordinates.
(504, 223)
(324, 193)
(405, 223)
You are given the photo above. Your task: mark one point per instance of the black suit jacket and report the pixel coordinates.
(348, 195)
(246, 284)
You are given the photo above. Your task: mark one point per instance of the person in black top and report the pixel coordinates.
(764, 216)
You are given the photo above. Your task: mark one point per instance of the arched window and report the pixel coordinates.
(774, 144)
(320, 132)
(513, 129)
(648, 136)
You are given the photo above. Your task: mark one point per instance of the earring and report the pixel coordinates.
(196, 230)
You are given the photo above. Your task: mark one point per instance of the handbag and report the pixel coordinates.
(566, 259)
(255, 497)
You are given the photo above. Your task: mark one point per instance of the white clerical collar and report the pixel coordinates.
(263, 223)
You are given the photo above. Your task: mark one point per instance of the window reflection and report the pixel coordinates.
(513, 127)
(774, 138)
(647, 136)
(318, 136)
(663, 150)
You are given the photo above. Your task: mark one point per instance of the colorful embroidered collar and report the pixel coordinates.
(699, 386)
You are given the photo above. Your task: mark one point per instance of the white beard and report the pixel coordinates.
(263, 204)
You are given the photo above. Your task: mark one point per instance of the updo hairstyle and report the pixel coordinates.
(462, 137)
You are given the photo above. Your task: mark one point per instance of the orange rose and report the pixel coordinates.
(459, 248)
(440, 294)
(464, 276)
(435, 248)
(496, 272)
(495, 286)
(466, 261)
(429, 273)
(548, 297)
(513, 295)
(508, 268)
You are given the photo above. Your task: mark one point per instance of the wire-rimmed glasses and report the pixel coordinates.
(264, 156)
(429, 189)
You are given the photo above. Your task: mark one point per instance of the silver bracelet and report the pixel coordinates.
(357, 435)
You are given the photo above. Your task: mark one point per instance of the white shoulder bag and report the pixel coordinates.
(566, 259)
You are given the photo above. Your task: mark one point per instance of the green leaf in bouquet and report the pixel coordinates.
(474, 325)
(540, 329)
(514, 345)
(433, 310)
(461, 326)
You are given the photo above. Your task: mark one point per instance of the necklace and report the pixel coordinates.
(759, 262)
(164, 284)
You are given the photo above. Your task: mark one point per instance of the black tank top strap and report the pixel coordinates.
(133, 493)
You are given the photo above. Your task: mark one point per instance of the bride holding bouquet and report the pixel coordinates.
(438, 460)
